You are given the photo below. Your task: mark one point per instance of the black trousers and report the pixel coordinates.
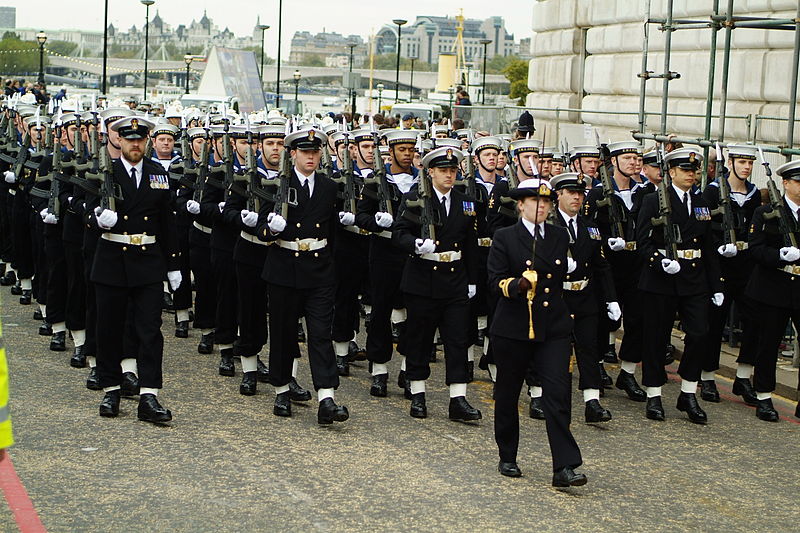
(252, 310)
(584, 333)
(629, 298)
(225, 318)
(658, 320)
(386, 295)
(717, 316)
(90, 348)
(288, 304)
(551, 363)
(141, 306)
(205, 285)
(772, 322)
(21, 235)
(182, 297)
(6, 247)
(56, 280)
(452, 317)
(350, 273)
(76, 287)
(42, 270)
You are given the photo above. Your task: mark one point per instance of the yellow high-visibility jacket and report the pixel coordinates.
(6, 438)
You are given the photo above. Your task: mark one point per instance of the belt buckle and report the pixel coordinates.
(576, 286)
(445, 257)
(136, 240)
(630, 246)
(795, 270)
(303, 246)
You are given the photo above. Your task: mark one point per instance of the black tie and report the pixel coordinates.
(306, 190)
(539, 232)
(686, 202)
(571, 228)
(443, 208)
(133, 177)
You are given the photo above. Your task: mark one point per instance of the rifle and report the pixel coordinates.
(326, 164)
(251, 179)
(616, 215)
(779, 210)
(285, 195)
(22, 156)
(349, 193)
(471, 186)
(672, 234)
(226, 169)
(427, 218)
(385, 195)
(53, 203)
(725, 209)
(202, 171)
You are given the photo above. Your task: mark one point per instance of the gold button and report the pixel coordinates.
(145, 219)
(125, 233)
(558, 261)
(572, 316)
(694, 264)
(651, 259)
(456, 245)
(298, 224)
(144, 233)
(549, 276)
(694, 240)
(586, 264)
(435, 267)
(317, 225)
(545, 304)
(173, 255)
(265, 233)
(452, 269)
(547, 290)
(297, 254)
(528, 262)
(124, 217)
(124, 248)
(88, 226)
(144, 248)
(316, 254)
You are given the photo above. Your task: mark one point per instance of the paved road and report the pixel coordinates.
(227, 464)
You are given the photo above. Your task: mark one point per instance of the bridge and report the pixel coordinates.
(121, 67)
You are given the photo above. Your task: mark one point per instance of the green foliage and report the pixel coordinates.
(389, 62)
(313, 60)
(16, 61)
(516, 71)
(496, 64)
(64, 48)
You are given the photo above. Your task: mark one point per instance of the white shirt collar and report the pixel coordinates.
(303, 179)
(139, 166)
(531, 227)
(793, 206)
(567, 218)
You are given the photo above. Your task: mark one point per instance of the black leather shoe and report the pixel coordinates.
(262, 370)
(182, 329)
(401, 379)
(249, 384)
(167, 303)
(461, 411)
(151, 411)
(355, 352)
(93, 382)
(470, 371)
(379, 386)
(226, 366)
(627, 382)
(481, 338)
(58, 342)
(742, 387)
(283, 405)
(26, 297)
(298, 393)
(687, 402)
(130, 385)
(535, 410)
(509, 469)
(37, 315)
(329, 412)
(16, 289)
(110, 405)
(45, 329)
(669, 356)
(78, 359)
(206, 345)
(395, 332)
(566, 477)
(605, 378)
(766, 411)
(654, 410)
(342, 366)
(8, 279)
(708, 390)
(301, 334)
(611, 355)
(596, 412)
(418, 407)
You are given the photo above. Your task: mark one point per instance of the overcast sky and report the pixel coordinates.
(361, 17)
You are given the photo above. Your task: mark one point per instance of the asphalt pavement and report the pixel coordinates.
(227, 464)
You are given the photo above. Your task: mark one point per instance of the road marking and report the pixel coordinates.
(18, 501)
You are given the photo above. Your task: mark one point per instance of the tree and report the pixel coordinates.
(19, 56)
(389, 62)
(313, 60)
(496, 64)
(517, 74)
(64, 48)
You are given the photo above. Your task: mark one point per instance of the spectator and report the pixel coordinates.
(60, 95)
(9, 88)
(408, 121)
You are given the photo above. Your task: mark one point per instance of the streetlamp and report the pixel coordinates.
(105, 49)
(352, 46)
(485, 43)
(380, 95)
(263, 28)
(278, 61)
(399, 23)
(188, 59)
(296, 77)
(147, 4)
(42, 38)
(411, 89)
(466, 82)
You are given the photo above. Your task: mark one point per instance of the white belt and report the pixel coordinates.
(255, 240)
(135, 240)
(303, 245)
(742, 245)
(357, 230)
(202, 228)
(791, 269)
(385, 234)
(442, 257)
(575, 285)
(685, 254)
(484, 242)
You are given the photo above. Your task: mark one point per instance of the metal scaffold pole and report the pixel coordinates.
(667, 73)
(793, 94)
(726, 61)
(712, 64)
(645, 74)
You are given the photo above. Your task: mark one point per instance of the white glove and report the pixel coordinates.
(384, 220)
(43, 213)
(614, 312)
(616, 244)
(10, 177)
(50, 218)
(571, 265)
(193, 207)
(727, 250)
(276, 223)
(249, 218)
(790, 254)
(717, 299)
(221, 206)
(174, 277)
(347, 219)
(670, 266)
(106, 218)
(471, 291)
(424, 247)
